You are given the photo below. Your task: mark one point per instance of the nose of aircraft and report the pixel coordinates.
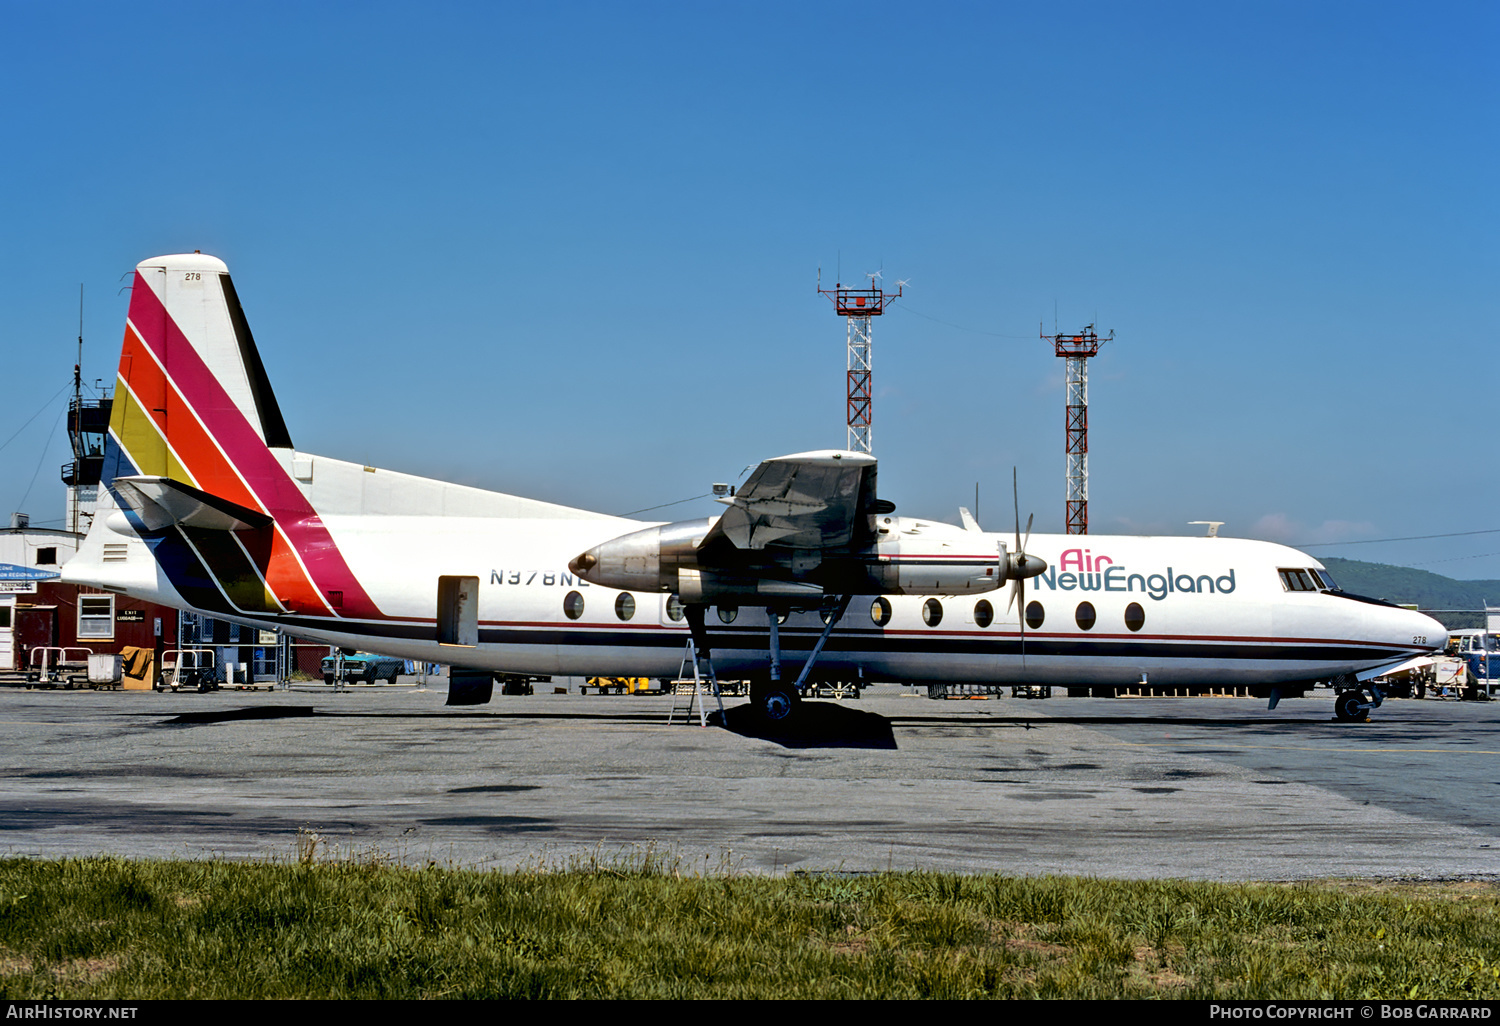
(1412, 630)
(1432, 634)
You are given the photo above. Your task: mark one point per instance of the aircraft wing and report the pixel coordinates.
(810, 500)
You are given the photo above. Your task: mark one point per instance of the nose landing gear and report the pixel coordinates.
(1353, 705)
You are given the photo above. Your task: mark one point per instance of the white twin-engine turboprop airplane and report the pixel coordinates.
(208, 507)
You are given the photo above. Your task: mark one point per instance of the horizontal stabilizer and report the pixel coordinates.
(161, 502)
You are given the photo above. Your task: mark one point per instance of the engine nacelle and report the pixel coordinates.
(709, 588)
(645, 560)
(919, 557)
(909, 557)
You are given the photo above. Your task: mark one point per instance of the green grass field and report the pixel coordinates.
(111, 928)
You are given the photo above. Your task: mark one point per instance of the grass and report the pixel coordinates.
(637, 928)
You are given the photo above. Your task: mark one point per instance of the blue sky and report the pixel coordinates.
(570, 250)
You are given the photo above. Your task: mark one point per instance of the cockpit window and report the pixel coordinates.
(1296, 580)
(1312, 579)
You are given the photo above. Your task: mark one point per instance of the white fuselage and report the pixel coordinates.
(1210, 610)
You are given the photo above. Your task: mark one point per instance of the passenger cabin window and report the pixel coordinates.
(984, 613)
(573, 605)
(932, 612)
(1035, 615)
(1135, 616)
(674, 608)
(728, 613)
(880, 612)
(625, 605)
(1085, 616)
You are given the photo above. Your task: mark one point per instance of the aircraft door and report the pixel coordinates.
(671, 614)
(458, 611)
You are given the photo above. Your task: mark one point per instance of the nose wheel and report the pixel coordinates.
(1353, 706)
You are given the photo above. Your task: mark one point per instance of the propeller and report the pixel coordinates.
(1021, 566)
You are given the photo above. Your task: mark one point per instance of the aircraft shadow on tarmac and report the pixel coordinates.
(836, 725)
(820, 725)
(254, 712)
(817, 725)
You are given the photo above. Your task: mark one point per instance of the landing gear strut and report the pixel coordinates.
(774, 699)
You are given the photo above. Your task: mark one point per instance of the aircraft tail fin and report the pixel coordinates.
(191, 457)
(192, 399)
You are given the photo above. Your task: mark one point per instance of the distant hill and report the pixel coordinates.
(1404, 585)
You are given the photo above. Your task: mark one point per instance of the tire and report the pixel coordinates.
(775, 702)
(1347, 706)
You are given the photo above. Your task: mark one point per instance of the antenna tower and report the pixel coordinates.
(858, 306)
(1076, 350)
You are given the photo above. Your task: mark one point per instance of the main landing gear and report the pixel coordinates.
(772, 698)
(1354, 705)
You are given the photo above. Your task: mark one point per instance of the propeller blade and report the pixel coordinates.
(1015, 496)
(1022, 582)
(1018, 565)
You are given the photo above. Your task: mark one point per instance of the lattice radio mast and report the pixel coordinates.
(858, 306)
(1077, 349)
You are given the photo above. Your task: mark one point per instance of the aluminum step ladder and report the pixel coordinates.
(702, 689)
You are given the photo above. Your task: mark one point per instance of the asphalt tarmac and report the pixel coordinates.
(1199, 788)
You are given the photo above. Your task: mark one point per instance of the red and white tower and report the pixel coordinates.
(1077, 349)
(858, 306)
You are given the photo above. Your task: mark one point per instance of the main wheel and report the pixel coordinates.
(775, 701)
(1349, 705)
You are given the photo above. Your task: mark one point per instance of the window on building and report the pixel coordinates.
(96, 616)
(47, 556)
